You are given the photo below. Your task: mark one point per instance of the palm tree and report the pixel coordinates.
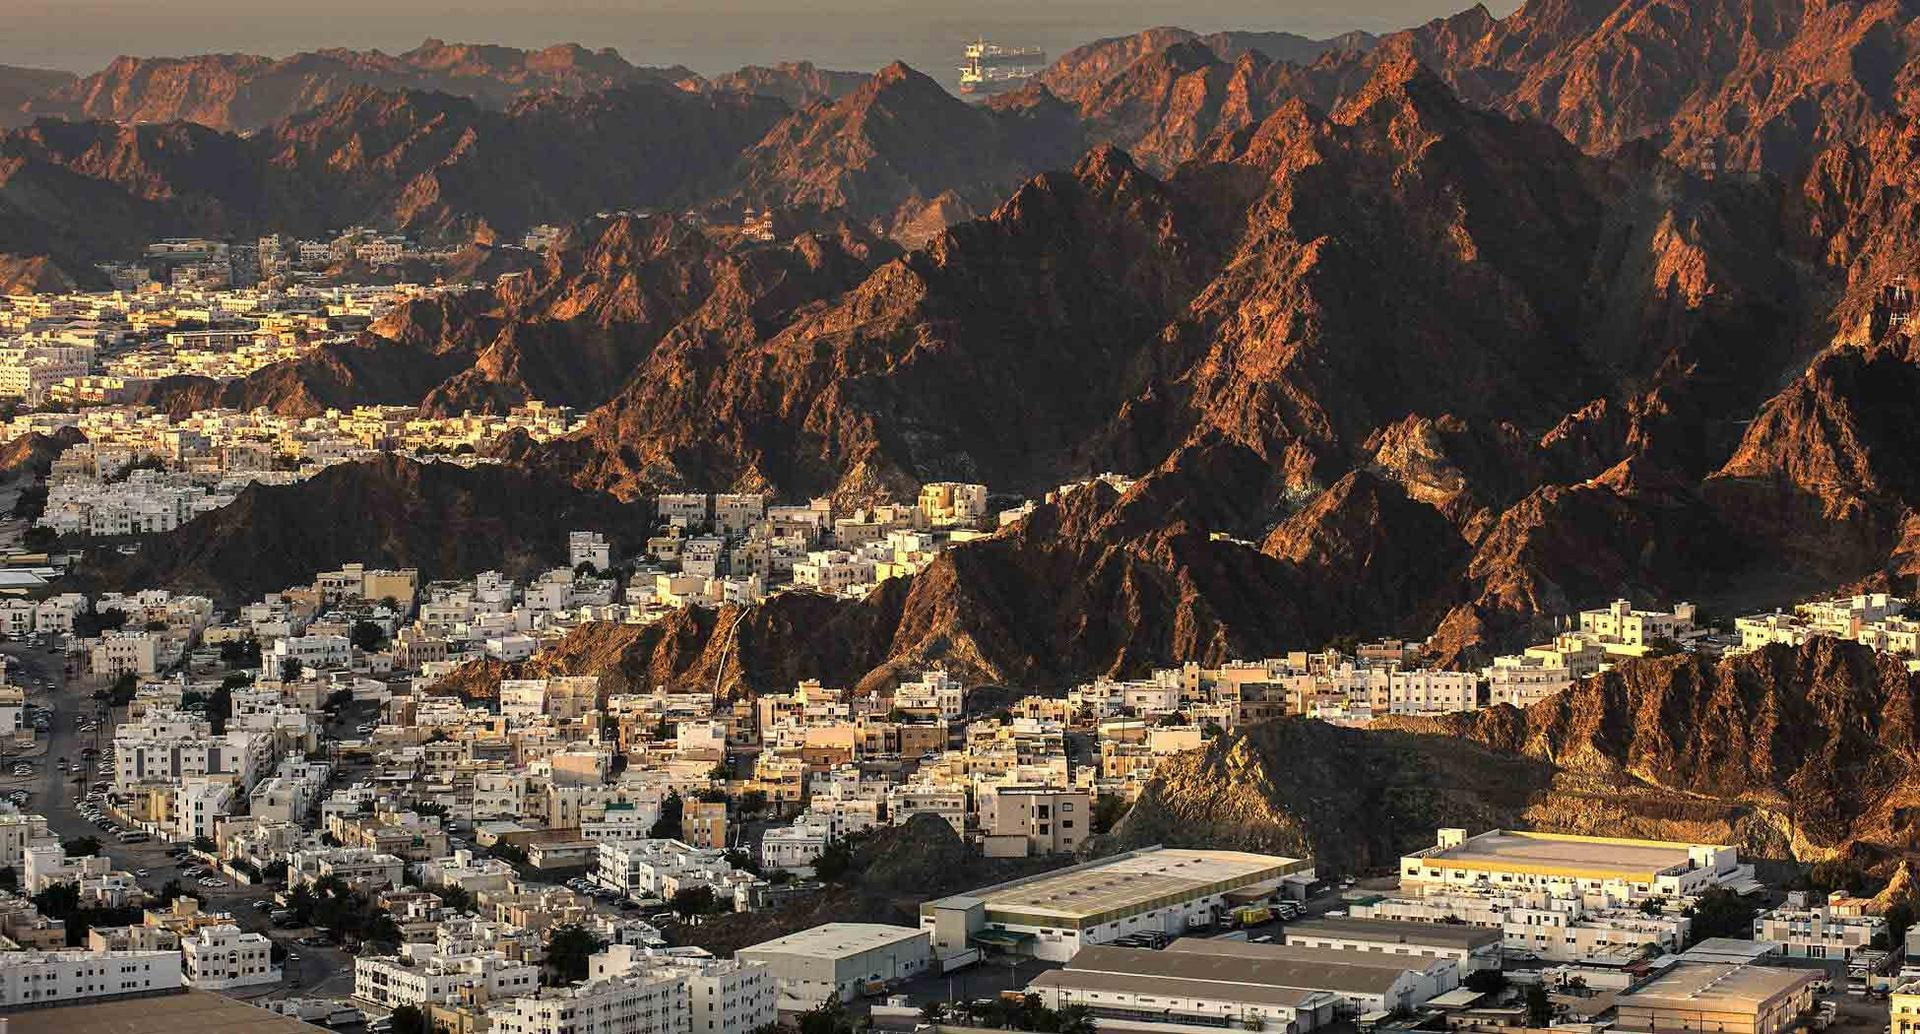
(1076, 1019)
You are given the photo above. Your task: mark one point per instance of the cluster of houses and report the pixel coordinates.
(93, 348)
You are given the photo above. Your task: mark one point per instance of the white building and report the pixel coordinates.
(841, 960)
(218, 958)
(642, 1001)
(1573, 866)
(723, 996)
(421, 977)
(38, 978)
(1836, 929)
(1055, 914)
(796, 846)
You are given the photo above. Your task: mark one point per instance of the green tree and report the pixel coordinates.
(382, 928)
(829, 1017)
(693, 901)
(568, 950)
(1539, 1006)
(1074, 1019)
(933, 1012)
(1108, 809)
(753, 802)
(289, 670)
(368, 636)
(1720, 913)
(220, 709)
(743, 860)
(408, 1019)
(1899, 918)
(81, 847)
(9, 879)
(668, 825)
(1486, 981)
(834, 862)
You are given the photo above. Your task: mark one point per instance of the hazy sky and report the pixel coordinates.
(706, 35)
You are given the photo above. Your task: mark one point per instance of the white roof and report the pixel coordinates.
(837, 940)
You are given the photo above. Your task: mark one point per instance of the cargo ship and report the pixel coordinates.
(990, 68)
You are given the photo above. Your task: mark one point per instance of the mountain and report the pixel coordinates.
(448, 521)
(20, 85)
(898, 143)
(245, 92)
(1422, 364)
(1747, 84)
(629, 291)
(437, 166)
(796, 83)
(1802, 753)
(1080, 72)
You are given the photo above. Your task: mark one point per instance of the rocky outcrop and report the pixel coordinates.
(1349, 799)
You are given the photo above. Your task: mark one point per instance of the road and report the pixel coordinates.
(310, 970)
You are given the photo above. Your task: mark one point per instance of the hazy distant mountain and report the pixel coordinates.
(798, 83)
(19, 85)
(246, 92)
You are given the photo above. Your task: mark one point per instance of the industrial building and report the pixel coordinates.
(1056, 914)
(1216, 983)
(1472, 947)
(841, 959)
(1573, 866)
(1726, 999)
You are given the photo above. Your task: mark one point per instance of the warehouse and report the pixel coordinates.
(1413, 979)
(1472, 947)
(1211, 983)
(1054, 915)
(840, 959)
(1574, 866)
(1720, 998)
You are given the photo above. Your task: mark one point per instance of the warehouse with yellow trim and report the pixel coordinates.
(1574, 866)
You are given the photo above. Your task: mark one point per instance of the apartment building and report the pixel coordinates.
(1837, 928)
(421, 977)
(40, 978)
(640, 1001)
(220, 958)
(1034, 820)
(949, 804)
(723, 996)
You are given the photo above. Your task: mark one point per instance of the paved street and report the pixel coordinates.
(310, 970)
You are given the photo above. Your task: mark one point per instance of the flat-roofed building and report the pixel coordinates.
(1227, 985)
(181, 1012)
(1473, 947)
(1725, 999)
(1572, 866)
(840, 959)
(1055, 914)
(1415, 978)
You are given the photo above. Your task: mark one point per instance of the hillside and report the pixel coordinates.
(447, 521)
(1787, 753)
